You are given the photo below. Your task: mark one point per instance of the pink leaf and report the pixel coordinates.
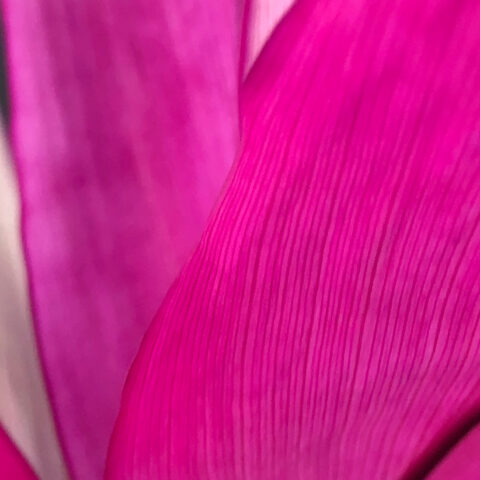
(124, 126)
(262, 17)
(327, 325)
(24, 407)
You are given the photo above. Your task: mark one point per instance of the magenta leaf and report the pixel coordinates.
(124, 126)
(327, 325)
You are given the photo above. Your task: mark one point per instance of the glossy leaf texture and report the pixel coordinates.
(327, 325)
